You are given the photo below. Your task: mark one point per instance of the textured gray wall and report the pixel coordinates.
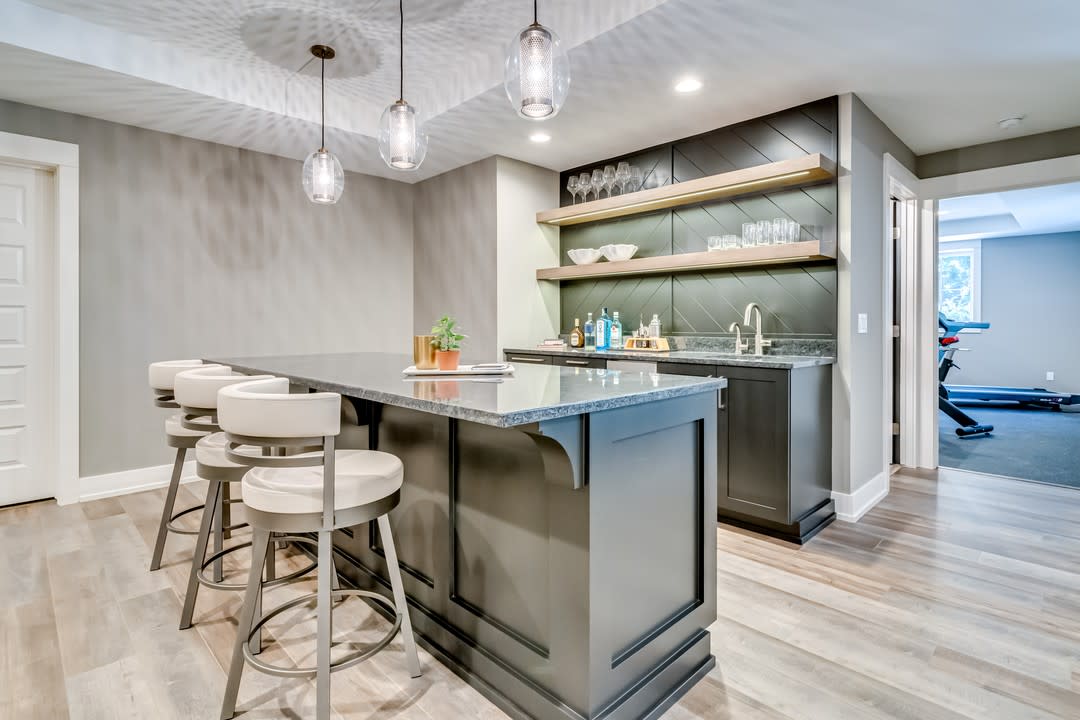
(858, 403)
(1029, 296)
(1042, 146)
(192, 249)
(455, 246)
(796, 300)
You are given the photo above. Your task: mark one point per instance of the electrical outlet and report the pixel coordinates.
(863, 322)
(1049, 374)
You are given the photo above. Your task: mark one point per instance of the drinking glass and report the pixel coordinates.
(622, 176)
(749, 234)
(780, 231)
(794, 232)
(584, 185)
(713, 242)
(764, 229)
(597, 181)
(637, 178)
(609, 178)
(729, 242)
(572, 188)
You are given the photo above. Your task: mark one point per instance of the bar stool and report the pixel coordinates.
(162, 377)
(196, 392)
(289, 494)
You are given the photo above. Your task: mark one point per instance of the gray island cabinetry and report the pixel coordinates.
(774, 433)
(555, 531)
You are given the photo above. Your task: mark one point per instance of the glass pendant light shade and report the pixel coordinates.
(537, 78)
(402, 139)
(323, 178)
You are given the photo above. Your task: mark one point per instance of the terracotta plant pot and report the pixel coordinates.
(447, 359)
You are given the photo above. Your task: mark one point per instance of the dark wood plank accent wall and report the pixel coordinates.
(797, 300)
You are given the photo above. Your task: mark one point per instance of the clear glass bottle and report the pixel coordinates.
(654, 326)
(616, 332)
(577, 337)
(603, 330)
(590, 334)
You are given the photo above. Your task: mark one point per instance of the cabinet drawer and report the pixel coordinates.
(580, 362)
(531, 359)
(693, 369)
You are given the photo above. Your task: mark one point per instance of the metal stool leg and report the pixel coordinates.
(219, 530)
(260, 543)
(325, 609)
(213, 493)
(412, 660)
(167, 511)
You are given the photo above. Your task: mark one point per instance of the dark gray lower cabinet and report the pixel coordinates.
(531, 359)
(775, 444)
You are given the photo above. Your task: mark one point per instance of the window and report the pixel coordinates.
(959, 276)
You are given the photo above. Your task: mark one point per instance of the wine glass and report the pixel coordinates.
(637, 178)
(622, 176)
(584, 185)
(609, 178)
(597, 181)
(572, 188)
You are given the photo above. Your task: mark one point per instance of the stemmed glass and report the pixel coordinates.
(637, 179)
(584, 185)
(609, 178)
(597, 181)
(622, 176)
(572, 188)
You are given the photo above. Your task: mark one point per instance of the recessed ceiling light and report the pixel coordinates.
(1010, 122)
(688, 85)
(540, 137)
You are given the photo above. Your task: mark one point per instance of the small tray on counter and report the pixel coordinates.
(463, 370)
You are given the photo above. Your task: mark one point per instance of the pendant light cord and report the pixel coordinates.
(535, 16)
(322, 95)
(401, 56)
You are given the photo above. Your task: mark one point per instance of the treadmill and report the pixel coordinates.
(976, 394)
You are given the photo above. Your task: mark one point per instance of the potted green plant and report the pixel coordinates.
(447, 343)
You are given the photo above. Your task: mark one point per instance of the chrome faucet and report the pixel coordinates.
(740, 344)
(759, 343)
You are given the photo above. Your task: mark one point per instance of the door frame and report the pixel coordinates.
(62, 160)
(924, 305)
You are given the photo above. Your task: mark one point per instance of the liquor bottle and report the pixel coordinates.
(590, 334)
(603, 330)
(654, 326)
(577, 337)
(616, 332)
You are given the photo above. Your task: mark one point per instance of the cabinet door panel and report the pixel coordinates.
(756, 479)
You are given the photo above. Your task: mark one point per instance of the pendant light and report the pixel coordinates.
(537, 77)
(322, 176)
(402, 138)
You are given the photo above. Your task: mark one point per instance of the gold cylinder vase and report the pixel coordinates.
(423, 352)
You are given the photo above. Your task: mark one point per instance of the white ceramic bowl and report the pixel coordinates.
(615, 253)
(584, 256)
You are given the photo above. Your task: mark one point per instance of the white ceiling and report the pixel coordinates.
(1030, 211)
(939, 74)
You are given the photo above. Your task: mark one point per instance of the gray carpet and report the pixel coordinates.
(1037, 445)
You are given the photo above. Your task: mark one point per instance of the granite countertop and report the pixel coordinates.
(696, 357)
(533, 393)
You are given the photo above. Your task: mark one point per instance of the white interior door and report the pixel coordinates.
(26, 357)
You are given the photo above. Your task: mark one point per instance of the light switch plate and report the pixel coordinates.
(1049, 374)
(863, 323)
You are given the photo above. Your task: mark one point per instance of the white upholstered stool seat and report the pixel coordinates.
(174, 427)
(363, 477)
(210, 450)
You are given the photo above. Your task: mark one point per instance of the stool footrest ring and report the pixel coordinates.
(341, 664)
(207, 582)
(172, 527)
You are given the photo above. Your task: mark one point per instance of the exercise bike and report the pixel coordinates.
(949, 396)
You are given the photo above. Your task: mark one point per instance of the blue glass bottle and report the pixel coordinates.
(603, 330)
(590, 334)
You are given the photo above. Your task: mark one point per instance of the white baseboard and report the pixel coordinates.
(852, 506)
(96, 487)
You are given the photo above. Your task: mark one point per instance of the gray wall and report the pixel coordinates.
(1042, 146)
(858, 404)
(455, 246)
(1030, 295)
(192, 249)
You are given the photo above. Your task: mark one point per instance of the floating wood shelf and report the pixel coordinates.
(773, 176)
(691, 262)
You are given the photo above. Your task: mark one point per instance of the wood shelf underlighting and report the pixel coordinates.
(690, 262)
(760, 178)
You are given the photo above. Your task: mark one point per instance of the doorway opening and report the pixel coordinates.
(1009, 380)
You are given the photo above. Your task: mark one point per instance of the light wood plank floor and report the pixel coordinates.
(957, 597)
